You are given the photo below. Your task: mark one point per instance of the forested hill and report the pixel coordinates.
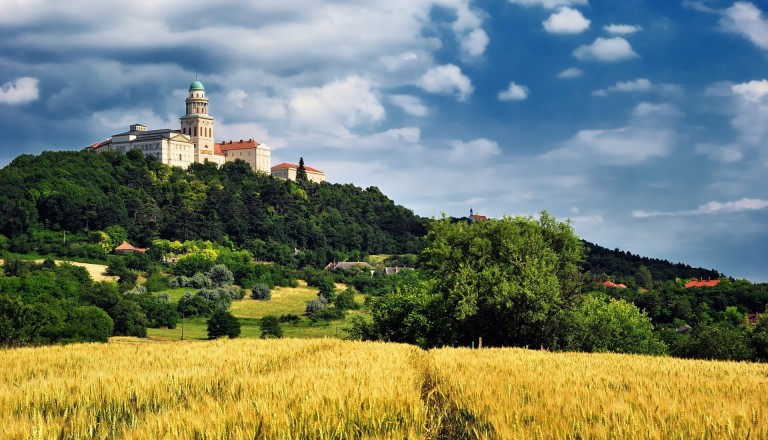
(83, 191)
(624, 266)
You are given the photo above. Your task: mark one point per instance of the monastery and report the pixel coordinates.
(194, 142)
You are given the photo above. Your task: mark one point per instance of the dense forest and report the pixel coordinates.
(43, 198)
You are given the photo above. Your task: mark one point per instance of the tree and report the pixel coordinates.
(412, 314)
(301, 173)
(504, 280)
(223, 323)
(129, 319)
(88, 323)
(270, 327)
(597, 324)
(721, 341)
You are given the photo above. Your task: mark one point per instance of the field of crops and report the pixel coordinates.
(327, 388)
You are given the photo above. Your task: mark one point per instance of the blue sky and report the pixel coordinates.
(644, 122)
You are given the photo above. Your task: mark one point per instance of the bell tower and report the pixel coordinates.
(197, 123)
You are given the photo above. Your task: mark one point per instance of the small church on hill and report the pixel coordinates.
(192, 142)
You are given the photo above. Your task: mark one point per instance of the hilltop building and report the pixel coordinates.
(193, 142)
(289, 170)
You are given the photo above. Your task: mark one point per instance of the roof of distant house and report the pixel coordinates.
(235, 145)
(287, 165)
(701, 283)
(127, 247)
(100, 144)
(612, 284)
(479, 217)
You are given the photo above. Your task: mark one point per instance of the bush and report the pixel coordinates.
(290, 317)
(156, 282)
(88, 323)
(223, 323)
(316, 304)
(270, 327)
(326, 314)
(261, 292)
(220, 276)
(233, 292)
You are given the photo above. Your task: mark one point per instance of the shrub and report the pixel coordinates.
(223, 323)
(156, 282)
(270, 327)
(220, 276)
(327, 314)
(290, 317)
(233, 292)
(261, 292)
(316, 304)
(346, 300)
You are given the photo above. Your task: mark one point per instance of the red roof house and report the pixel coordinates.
(127, 248)
(614, 285)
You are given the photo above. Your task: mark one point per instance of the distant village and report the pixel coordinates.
(194, 143)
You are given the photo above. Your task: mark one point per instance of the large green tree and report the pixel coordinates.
(504, 280)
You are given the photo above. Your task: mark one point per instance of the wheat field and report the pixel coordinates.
(332, 389)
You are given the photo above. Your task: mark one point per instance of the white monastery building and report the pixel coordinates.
(194, 142)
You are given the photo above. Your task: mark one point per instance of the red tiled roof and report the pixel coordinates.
(235, 145)
(479, 217)
(701, 283)
(612, 284)
(285, 165)
(100, 144)
(125, 246)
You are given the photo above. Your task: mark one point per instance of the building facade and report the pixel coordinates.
(289, 170)
(193, 142)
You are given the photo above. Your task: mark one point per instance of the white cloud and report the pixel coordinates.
(620, 146)
(515, 92)
(474, 42)
(751, 112)
(638, 85)
(621, 29)
(745, 204)
(337, 106)
(645, 109)
(237, 97)
(473, 150)
(20, 91)
(410, 104)
(721, 153)
(746, 19)
(606, 50)
(752, 91)
(549, 4)
(566, 21)
(571, 72)
(447, 79)
(467, 28)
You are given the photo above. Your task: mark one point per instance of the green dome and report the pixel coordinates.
(196, 85)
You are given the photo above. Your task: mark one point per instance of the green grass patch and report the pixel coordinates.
(285, 301)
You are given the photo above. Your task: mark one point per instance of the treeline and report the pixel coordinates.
(518, 282)
(57, 200)
(622, 266)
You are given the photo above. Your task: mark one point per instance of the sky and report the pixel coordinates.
(643, 122)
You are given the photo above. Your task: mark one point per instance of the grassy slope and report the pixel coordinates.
(292, 388)
(285, 301)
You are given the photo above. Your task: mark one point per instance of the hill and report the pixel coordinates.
(625, 266)
(245, 389)
(48, 201)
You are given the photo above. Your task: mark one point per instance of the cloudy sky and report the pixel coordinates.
(644, 122)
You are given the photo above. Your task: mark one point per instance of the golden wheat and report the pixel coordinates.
(331, 389)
